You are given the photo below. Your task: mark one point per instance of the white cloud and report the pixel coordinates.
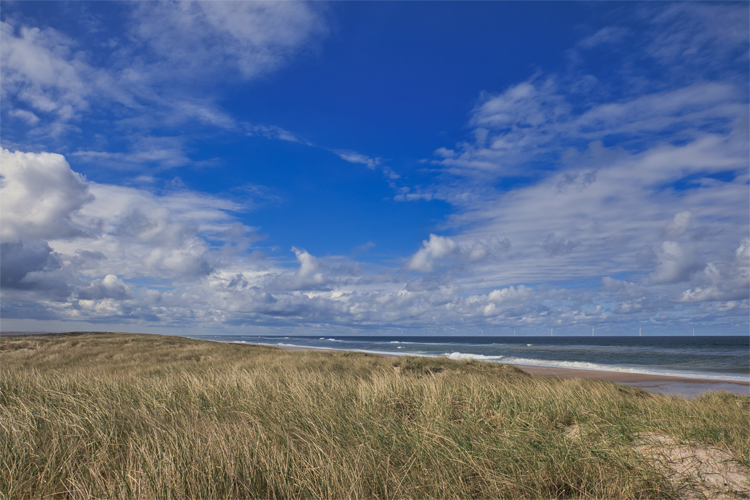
(18, 259)
(605, 36)
(442, 251)
(273, 132)
(40, 196)
(676, 263)
(699, 50)
(147, 81)
(27, 116)
(437, 248)
(371, 163)
(599, 209)
(557, 245)
(692, 34)
(309, 272)
(533, 121)
(109, 287)
(511, 294)
(619, 217)
(354, 157)
(724, 281)
(196, 38)
(485, 248)
(41, 68)
(57, 228)
(612, 224)
(163, 153)
(679, 224)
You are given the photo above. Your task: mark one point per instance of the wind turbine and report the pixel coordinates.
(640, 332)
(592, 331)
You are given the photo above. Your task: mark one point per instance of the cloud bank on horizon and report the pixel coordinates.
(284, 167)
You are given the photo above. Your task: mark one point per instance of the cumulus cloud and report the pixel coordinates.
(40, 197)
(309, 272)
(64, 237)
(724, 281)
(434, 249)
(502, 301)
(678, 225)
(621, 191)
(19, 259)
(676, 263)
(441, 251)
(109, 287)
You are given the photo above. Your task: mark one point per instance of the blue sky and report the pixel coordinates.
(360, 167)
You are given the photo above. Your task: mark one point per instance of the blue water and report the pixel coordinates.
(717, 358)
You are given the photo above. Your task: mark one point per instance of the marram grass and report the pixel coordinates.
(141, 416)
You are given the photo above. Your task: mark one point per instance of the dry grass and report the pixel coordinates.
(140, 416)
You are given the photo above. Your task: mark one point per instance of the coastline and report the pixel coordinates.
(686, 387)
(251, 421)
(619, 377)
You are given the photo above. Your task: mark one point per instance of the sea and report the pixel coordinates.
(723, 359)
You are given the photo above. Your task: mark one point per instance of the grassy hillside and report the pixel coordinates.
(141, 416)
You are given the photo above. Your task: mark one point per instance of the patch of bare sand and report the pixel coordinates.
(573, 432)
(699, 472)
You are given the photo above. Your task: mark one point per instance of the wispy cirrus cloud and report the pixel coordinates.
(577, 199)
(150, 89)
(623, 183)
(197, 39)
(51, 81)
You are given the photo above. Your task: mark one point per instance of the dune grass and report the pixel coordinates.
(143, 416)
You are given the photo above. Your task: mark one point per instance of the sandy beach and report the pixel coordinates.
(676, 386)
(619, 377)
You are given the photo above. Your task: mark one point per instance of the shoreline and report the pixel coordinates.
(565, 373)
(619, 377)
(256, 421)
(685, 387)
